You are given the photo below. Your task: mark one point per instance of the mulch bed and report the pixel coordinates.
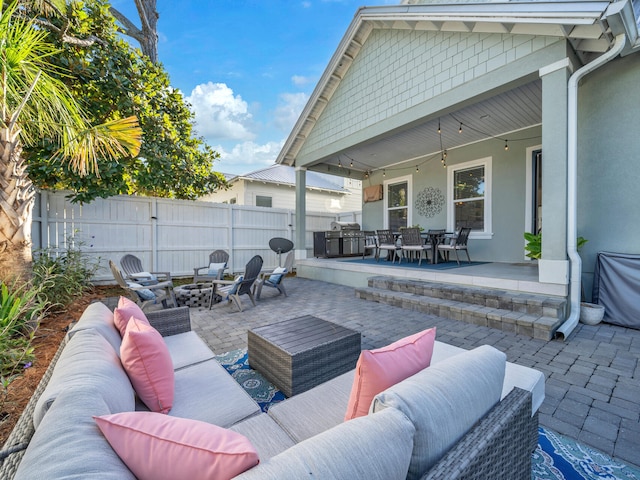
(46, 343)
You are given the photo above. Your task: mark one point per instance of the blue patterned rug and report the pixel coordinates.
(556, 458)
(559, 457)
(236, 363)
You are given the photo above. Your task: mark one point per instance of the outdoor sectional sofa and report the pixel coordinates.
(412, 430)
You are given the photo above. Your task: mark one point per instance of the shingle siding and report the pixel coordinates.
(398, 69)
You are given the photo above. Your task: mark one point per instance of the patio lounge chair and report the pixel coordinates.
(132, 268)
(215, 270)
(231, 290)
(387, 242)
(274, 278)
(457, 243)
(144, 296)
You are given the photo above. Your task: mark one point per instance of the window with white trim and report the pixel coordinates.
(263, 201)
(397, 194)
(469, 197)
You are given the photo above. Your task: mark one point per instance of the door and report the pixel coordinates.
(536, 191)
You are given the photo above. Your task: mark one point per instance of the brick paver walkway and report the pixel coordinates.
(592, 379)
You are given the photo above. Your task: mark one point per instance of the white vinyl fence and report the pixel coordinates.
(169, 235)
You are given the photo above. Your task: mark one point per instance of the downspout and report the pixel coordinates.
(575, 293)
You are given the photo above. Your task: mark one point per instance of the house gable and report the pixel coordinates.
(397, 70)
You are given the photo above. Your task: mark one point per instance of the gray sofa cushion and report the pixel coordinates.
(316, 410)
(445, 400)
(88, 360)
(374, 447)
(206, 392)
(98, 316)
(68, 443)
(187, 349)
(265, 435)
(514, 376)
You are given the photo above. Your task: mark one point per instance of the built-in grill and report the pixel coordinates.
(344, 239)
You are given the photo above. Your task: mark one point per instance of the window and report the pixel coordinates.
(263, 201)
(469, 197)
(398, 204)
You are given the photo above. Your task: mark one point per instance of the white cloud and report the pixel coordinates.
(220, 115)
(247, 156)
(288, 110)
(300, 81)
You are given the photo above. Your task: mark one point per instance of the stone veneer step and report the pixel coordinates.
(536, 316)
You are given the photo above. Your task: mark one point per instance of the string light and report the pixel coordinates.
(417, 169)
(351, 164)
(384, 172)
(339, 164)
(506, 145)
(460, 129)
(444, 154)
(439, 130)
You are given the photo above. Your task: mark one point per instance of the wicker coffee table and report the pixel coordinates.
(298, 354)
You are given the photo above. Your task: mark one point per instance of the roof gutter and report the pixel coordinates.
(572, 182)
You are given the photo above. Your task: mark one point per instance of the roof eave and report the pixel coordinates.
(518, 14)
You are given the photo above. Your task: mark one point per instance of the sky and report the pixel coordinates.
(248, 67)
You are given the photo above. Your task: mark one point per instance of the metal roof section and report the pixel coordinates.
(585, 24)
(285, 175)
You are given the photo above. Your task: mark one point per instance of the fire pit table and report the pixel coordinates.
(193, 295)
(298, 354)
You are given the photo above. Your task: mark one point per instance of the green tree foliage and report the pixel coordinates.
(110, 76)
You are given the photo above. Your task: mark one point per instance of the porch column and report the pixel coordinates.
(553, 267)
(301, 213)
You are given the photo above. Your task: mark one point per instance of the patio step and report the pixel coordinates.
(536, 316)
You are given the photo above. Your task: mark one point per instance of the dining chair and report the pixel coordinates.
(411, 243)
(457, 243)
(387, 242)
(370, 244)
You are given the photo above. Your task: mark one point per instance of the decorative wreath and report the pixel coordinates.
(429, 202)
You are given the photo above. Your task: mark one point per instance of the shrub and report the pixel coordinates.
(20, 313)
(67, 273)
(58, 278)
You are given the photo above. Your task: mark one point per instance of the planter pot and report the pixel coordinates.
(590, 313)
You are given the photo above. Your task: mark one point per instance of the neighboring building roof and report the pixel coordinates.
(590, 26)
(286, 175)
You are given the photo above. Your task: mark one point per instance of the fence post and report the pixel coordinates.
(44, 220)
(154, 233)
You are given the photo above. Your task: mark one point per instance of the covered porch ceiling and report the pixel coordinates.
(589, 26)
(500, 119)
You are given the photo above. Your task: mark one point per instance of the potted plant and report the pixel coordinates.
(590, 313)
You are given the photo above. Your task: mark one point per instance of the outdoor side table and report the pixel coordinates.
(298, 354)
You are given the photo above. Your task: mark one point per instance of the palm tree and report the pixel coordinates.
(36, 105)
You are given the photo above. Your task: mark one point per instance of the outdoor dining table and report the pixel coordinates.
(435, 239)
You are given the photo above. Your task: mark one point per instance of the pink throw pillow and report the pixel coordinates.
(158, 447)
(381, 368)
(124, 311)
(146, 359)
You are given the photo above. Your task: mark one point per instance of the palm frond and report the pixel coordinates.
(113, 139)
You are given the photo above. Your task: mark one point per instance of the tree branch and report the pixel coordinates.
(128, 28)
(82, 42)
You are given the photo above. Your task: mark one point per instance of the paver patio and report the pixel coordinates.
(592, 379)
